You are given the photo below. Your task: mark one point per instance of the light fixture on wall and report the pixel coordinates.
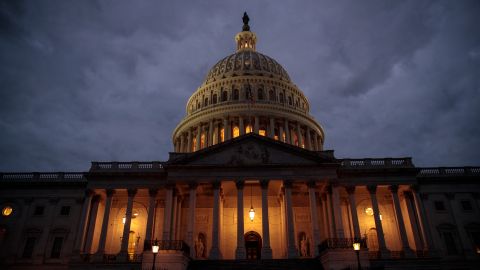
(251, 213)
(124, 219)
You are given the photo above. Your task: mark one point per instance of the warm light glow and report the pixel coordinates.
(249, 129)
(262, 132)
(369, 211)
(194, 144)
(202, 140)
(236, 132)
(7, 211)
(135, 214)
(124, 219)
(276, 137)
(251, 214)
(222, 134)
(155, 247)
(356, 246)
(380, 216)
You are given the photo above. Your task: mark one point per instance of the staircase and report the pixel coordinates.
(283, 264)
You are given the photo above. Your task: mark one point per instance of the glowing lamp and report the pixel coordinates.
(155, 247)
(356, 246)
(251, 214)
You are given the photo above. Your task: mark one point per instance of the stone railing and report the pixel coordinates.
(70, 177)
(340, 243)
(126, 166)
(369, 163)
(449, 171)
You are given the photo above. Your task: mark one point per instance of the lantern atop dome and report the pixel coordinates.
(246, 40)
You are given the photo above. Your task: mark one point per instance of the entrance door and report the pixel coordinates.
(253, 245)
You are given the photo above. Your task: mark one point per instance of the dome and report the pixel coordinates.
(247, 92)
(246, 62)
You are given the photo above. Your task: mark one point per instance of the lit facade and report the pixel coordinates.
(248, 182)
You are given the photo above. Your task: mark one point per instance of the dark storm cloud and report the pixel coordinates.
(108, 80)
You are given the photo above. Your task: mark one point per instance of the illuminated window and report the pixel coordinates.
(284, 137)
(202, 140)
(276, 137)
(295, 139)
(194, 144)
(222, 135)
(236, 132)
(249, 129)
(7, 211)
(262, 132)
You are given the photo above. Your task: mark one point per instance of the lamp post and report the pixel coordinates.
(155, 248)
(356, 247)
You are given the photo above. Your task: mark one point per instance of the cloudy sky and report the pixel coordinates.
(108, 80)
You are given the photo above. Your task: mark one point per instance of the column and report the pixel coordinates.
(299, 135)
(378, 223)
(423, 218)
(291, 247)
(400, 221)
(413, 221)
(199, 133)
(106, 216)
(210, 134)
(325, 216)
(173, 224)
(216, 131)
(266, 249)
(271, 130)
(126, 227)
(192, 201)
(337, 212)
(287, 133)
(353, 210)
(330, 213)
(241, 125)
(228, 129)
(308, 145)
(91, 224)
(189, 141)
(314, 216)
(152, 204)
(256, 125)
(167, 213)
(240, 253)
(280, 135)
(315, 142)
(225, 129)
(215, 253)
(182, 143)
(82, 229)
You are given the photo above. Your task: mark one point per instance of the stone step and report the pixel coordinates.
(281, 264)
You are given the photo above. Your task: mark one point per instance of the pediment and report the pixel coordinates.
(251, 150)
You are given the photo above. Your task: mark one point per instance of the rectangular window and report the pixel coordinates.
(56, 247)
(38, 210)
(65, 210)
(28, 249)
(439, 206)
(466, 205)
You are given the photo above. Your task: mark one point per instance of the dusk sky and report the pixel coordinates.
(84, 81)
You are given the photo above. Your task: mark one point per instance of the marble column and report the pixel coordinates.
(291, 245)
(287, 133)
(182, 143)
(241, 125)
(416, 231)
(326, 223)
(189, 142)
(126, 227)
(314, 216)
(266, 249)
(400, 221)
(384, 253)
(424, 224)
(167, 213)
(82, 228)
(215, 253)
(353, 210)
(192, 201)
(210, 134)
(271, 130)
(337, 212)
(315, 142)
(199, 134)
(308, 145)
(228, 128)
(330, 212)
(91, 224)
(240, 253)
(106, 216)
(256, 126)
(299, 135)
(152, 205)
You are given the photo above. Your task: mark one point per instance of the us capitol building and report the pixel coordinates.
(248, 186)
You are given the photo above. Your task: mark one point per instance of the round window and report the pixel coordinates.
(7, 211)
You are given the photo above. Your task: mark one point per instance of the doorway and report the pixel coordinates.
(253, 245)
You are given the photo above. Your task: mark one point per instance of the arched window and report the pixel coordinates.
(198, 105)
(205, 103)
(248, 129)
(202, 140)
(290, 101)
(271, 95)
(282, 99)
(222, 134)
(235, 94)
(214, 99)
(260, 94)
(224, 96)
(236, 132)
